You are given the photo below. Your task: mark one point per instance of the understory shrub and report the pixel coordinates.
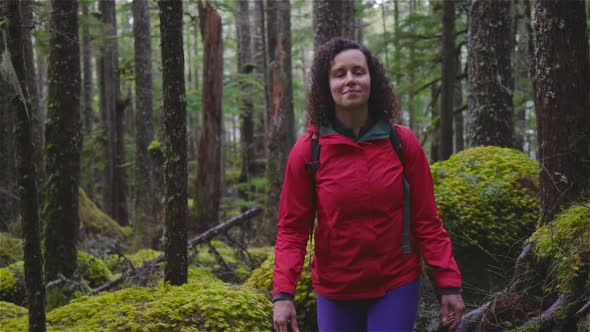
(11, 249)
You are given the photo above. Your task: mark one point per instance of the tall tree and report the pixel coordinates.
(87, 100)
(281, 129)
(174, 118)
(22, 108)
(260, 59)
(8, 198)
(489, 46)
(245, 67)
(458, 101)
(562, 102)
(210, 147)
(147, 204)
(447, 79)
(115, 183)
(63, 141)
(332, 18)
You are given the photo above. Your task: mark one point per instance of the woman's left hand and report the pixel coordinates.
(452, 307)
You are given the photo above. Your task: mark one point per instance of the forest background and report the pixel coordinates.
(127, 127)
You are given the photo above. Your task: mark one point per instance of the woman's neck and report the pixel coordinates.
(353, 119)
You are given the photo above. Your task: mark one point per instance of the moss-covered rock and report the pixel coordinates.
(305, 300)
(487, 198)
(191, 307)
(98, 231)
(566, 243)
(11, 249)
(11, 310)
(12, 280)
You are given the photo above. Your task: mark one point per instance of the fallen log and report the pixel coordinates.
(152, 265)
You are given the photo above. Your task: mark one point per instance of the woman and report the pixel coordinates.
(362, 278)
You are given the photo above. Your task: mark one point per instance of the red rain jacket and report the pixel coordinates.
(358, 239)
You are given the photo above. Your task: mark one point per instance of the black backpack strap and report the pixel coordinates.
(398, 148)
(313, 166)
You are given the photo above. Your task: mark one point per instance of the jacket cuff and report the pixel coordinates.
(282, 297)
(449, 291)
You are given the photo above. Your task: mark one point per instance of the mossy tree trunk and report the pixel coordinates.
(174, 117)
(562, 102)
(489, 48)
(63, 141)
(449, 71)
(25, 157)
(458, 101)
(245, 67)
(145, 199)
(281, 129)
(88, 114)
(210, 145)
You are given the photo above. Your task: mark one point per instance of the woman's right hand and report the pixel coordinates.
(283, 313)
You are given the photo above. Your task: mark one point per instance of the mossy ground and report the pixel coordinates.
(487, 199)
(11, 249)
(191, 307)
(11, 310)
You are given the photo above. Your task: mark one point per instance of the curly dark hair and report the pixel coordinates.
(320, 104)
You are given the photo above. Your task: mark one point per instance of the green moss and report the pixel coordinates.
(12, 283)
(155, 145)
(566, 242)
(305, 300)
(191, 307)
(11, 249)
(11, 310)
(240, 266)
(96, 272)
(115, 263)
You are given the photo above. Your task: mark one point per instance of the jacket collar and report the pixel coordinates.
(378, 129)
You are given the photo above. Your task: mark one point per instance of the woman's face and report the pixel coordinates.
(350, 80)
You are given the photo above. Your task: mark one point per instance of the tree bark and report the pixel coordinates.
(435, 154)
(348, 19)
(562, 103)
(147, 204)
(63, 141)
(260, 60)
(19, 45)
(245, 67)
(458, 101)
(8, 196)
(87, 79)
(281, 131)
(210, 147)
(327, 20)
(412, 122)
(449, 71)
(175, 197)
(489, 44)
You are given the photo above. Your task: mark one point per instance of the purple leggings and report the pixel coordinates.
(396, 311)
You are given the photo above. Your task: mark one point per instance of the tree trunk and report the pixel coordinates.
(210, 147)
(348, 19)
(88, 166)
(435, 123)
(8, 197)
(108, 97)
(449, 72)
(19, 44)
(562, 103)
(145, 201)
(245, 67)
(260, 58)
(174, 114)
(63, 141)
(327, 21)
(458, 101)
(489, 44)
(281, 131)
(412, 122)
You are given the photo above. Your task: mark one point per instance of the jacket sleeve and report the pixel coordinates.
(432, 239)
(295, 219)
